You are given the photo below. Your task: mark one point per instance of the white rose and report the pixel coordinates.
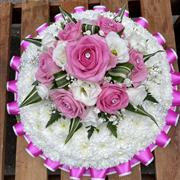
(91, 118)
(137, 95)
(59, 54)
(118, 47)
(85, 92)
(138, 42)
(43, 91)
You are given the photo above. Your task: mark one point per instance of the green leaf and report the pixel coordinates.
(36, 42)
(54, 117)
(120, 15)
(140, 110)
(112, 128)
(75, 125)
(148, 56)
(91, 130)
(35, 83)
(89, 27)
(67, 16)
(18, 118)
(120, 72)
(149, 97)
(32, 97)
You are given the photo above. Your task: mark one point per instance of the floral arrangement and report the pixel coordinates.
(91, 75)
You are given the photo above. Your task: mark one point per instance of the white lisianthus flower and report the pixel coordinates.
(85, 92)
(91, 118)
(138, 42)
(118, 46)
(43, 91)
(59, 54)
(137, 95)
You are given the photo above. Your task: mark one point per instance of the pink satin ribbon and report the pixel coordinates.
(51, 165)
(123, 169)
(77, 173)
(143, 22)
(175, 78)
(33, 150)
(58, 17)
(11, 86)
(126, 13)
(79, 9)
(41, 28)
(98, 174)
(18, 129)
(99, 8)
(145, 156)
(13, 108)
(172, 118)
(24, 44)
(162, 139)
(15, 63)
(171, 55)
(176, 98)
(160, 39)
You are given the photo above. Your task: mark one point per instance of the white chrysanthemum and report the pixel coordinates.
(59, 54)
(43, 91)
(118, 47)
(85, 92)
(137, 95)
(91, 118)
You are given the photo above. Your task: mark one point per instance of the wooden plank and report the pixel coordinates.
(69, 5)
(34, 13)
(159, 15)
(113, 5)
(5, 32)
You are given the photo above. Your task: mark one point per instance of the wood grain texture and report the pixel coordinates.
(158, 13)
(5, 28)
(113, 5)
(34, 13)
(135, 175)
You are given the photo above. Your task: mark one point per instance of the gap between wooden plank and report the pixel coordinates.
(33, 14)
(5, 33)
(159, 15)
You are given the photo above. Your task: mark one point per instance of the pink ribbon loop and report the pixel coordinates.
(171, 55)
(18, 129)
(162, 140)
(98, 174)
(11, 86)
(15, 63)
(176, 98)
(51, 165)
(126, 13)
(123, 169)
(172, 118)
(77, 173)
(13, 108)
(145, 156)
(58, 17)
(99, 8)
(41, 28)
(142, 22)
(79, 9)
(33, 150)
(160, 38)
(175, 78)
(24, 44)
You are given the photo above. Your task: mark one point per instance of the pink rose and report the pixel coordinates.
(66, 104)
(112, 98)
(139, 72)
(89, 58)
(71, 32)
(108, 25)
(46, 68)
